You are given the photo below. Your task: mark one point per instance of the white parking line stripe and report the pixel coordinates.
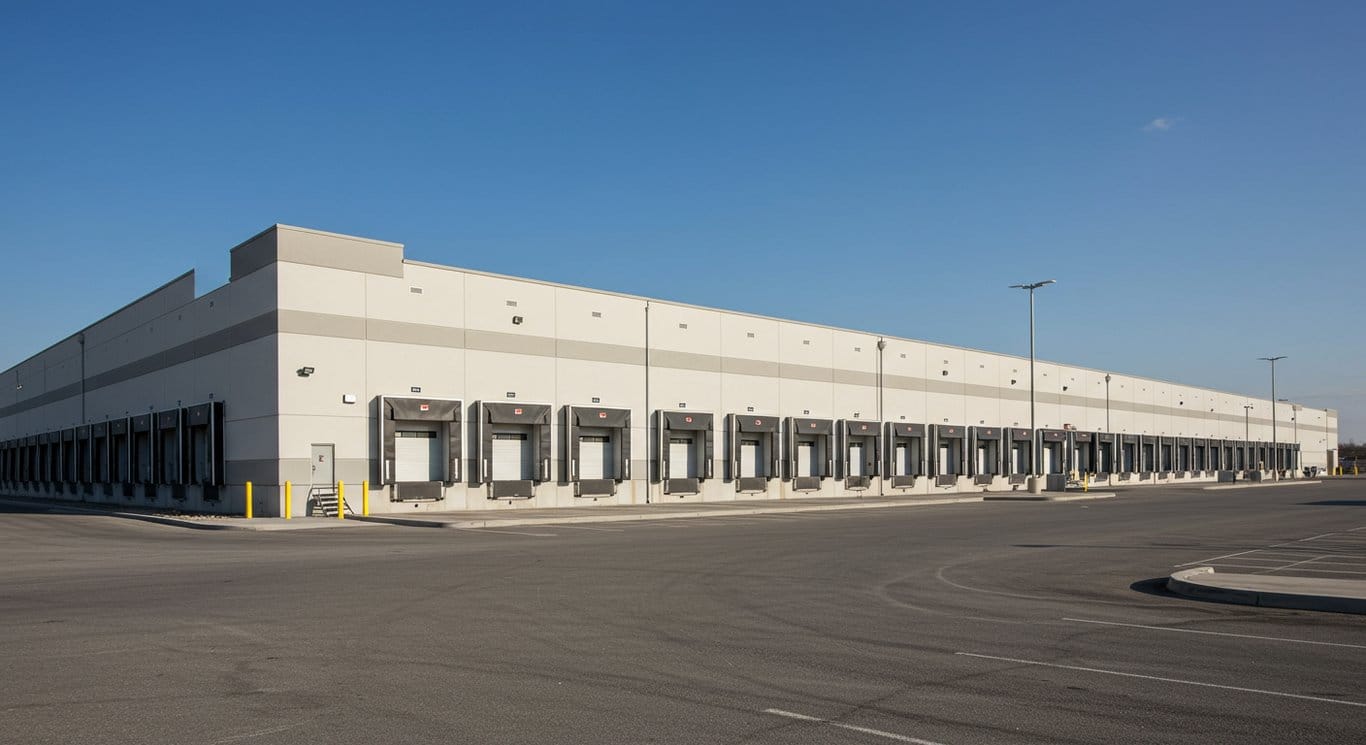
(507, 532)
(852, 727)
(583, 527)
(1207, 561)
(1216, 633)
(1294, 564)
(1163, 680)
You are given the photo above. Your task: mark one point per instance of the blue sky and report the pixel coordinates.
(1193, 174)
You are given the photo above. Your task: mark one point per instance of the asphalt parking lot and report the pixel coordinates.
(993, 622)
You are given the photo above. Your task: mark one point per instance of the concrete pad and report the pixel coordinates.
(1261, 484)
(633, 513)
(1271, 591)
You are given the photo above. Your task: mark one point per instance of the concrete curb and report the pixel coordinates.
(508, 522)
(1260, 485)
(1202, 583)
(1047, 497)
(181, 522)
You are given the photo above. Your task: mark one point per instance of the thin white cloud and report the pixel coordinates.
(1161, 124)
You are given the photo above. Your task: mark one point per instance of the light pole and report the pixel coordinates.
(1033, 467)
(1247, 427)
(1275, 473)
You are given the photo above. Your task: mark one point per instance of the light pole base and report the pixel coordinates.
(1034, 485)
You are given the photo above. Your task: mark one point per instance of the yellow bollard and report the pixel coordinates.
(341, 500)
(1086, 482)
(365, 498)
(248, 500)
(289, 497)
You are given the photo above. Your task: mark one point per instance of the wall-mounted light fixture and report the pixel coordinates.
(305, 371)
(516, 320)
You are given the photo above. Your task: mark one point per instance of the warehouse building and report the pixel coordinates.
(331, 358)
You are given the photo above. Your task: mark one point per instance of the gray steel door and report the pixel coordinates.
(511, 456)
(595, 457)
(323, 471)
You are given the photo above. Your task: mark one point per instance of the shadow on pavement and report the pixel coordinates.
(1157, 586)
(1339, 502)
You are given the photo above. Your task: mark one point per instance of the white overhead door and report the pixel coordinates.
(595, 457)
(902, 459)
(947, 463)
(983, 459)
(1050, 453)
(511, 456)
(856, 464)
(751, 458)
(682, 464)
(417, 456)
(1020, 464)
(806, 458)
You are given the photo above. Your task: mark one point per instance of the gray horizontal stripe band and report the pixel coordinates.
(403, 332)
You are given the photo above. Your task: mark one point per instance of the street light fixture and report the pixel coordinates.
(1276, 475)
(1247, 427)
(1033, 467)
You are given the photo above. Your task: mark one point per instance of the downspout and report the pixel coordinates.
(648, 440)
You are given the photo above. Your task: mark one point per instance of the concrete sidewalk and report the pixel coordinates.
(672, 511)
(1271, 591)
(196, 522)
(1262, 484)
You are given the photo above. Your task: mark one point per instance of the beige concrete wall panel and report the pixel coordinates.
(394, 369)
(698, 391)
(803, 347)
(491, 303)
(854, 401)
(578, 382)
(679, 328)
(807, 398)
(330, 250)
(316, 289)
(490, 376)
(667, 358)
(746, 394)
(339, 366)
(422, 295)
(599, 319)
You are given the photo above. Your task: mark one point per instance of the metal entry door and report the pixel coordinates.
(856, 463)
(417, 455)
(511, 456)
(595, 457)
(751, 458)
(323, 471)
(682, 463)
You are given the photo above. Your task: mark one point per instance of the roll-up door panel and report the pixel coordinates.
(418, 455)
(596, 457)
(682, 458)
(751, 458)
(857, 466)
(512, 459)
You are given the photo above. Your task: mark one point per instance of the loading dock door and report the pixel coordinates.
(857, 466)
(418, 455)
(682, 457)
(948, 465)
(1049, 458)
(595, 457)
(751, 458)
(902, 460)
(806, 459)
(512, 459)
(121, 459)
(1019, 457)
